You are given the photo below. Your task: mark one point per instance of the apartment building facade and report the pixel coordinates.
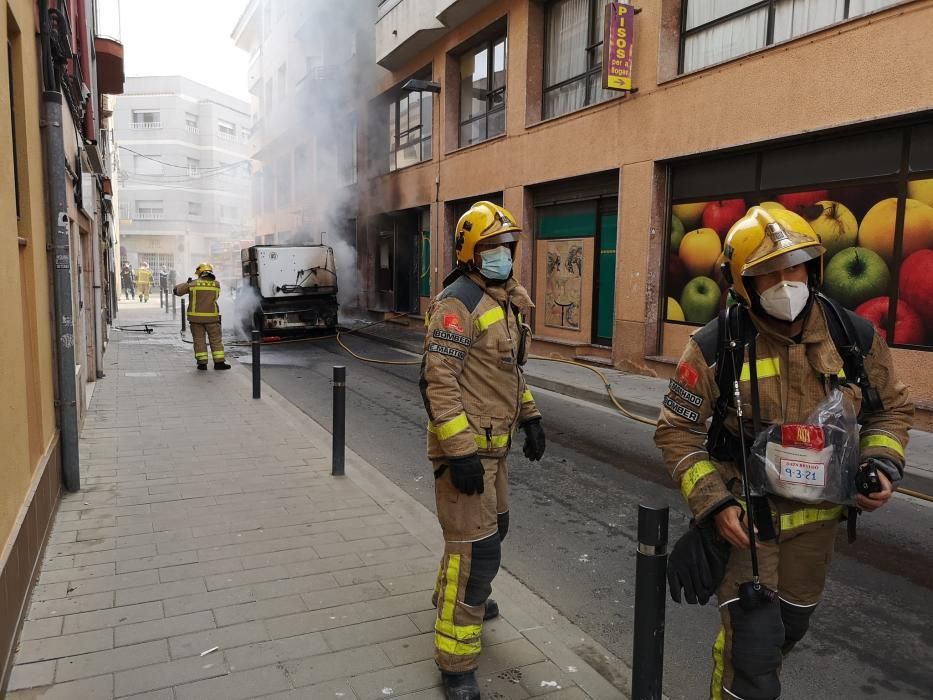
(56, 270)
(823, 108)
(183, 175)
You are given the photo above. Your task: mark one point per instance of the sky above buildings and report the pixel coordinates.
(181, 37)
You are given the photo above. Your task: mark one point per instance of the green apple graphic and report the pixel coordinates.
(855, 275)
(677, 233)
(700, 300)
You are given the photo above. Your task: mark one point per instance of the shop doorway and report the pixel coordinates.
(399, 253)
(576, 254)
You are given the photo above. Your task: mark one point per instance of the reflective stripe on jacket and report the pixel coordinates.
(202, 299)
(471, 378)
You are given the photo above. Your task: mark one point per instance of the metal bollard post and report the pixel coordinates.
(183, 317)
(256, 342)
(339, 420)
(650, 599)
(174, 311)
(166, 300)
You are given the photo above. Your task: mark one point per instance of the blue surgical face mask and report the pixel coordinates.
(497, 263)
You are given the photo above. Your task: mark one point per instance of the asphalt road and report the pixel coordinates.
(572, 536)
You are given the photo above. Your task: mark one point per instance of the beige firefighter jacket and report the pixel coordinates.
(144, 276)
(202, 299)
(471, 374)
(792, 378)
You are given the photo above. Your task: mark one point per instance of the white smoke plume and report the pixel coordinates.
(330, 71)
(237, 311)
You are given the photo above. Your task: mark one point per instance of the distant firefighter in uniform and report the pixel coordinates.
(143, 281)
(204, 315)
(475, 394)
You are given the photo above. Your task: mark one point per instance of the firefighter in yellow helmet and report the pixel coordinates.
(143, 282)
(475, 395)
(790, 351)
(204, 315)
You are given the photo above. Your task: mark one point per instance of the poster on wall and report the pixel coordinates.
(563, 290)
(872, 265)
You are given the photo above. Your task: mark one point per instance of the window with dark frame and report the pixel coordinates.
(712, 32)
(482, 91)
(9, 55)
(410, 127)
(573, 56)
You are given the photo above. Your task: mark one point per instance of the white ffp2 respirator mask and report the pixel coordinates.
(786, 300)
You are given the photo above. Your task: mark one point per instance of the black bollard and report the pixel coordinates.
(174, 311)
(166, 300)
(340, 419)
(183, 317)
(256, 342)
(650, 599)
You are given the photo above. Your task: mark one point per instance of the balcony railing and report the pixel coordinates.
(147, 125)
(192, 129)
(150, 216)
(226, 136)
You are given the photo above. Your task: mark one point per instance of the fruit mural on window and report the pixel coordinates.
(864, 259)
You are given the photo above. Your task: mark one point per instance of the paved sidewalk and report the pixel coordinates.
(210, 554)
(635, 392)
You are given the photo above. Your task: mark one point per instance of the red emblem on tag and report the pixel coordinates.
(687, 375)
(452, 323)
(809, 437)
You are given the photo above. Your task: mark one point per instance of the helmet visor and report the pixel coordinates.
(783, 260)
(499, 238)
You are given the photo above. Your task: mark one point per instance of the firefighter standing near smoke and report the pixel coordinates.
(790, 360)
(204, 315)
(143, 282)
(475, 395)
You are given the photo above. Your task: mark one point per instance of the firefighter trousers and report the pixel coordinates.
(201, 333)
(143, 290)
(752, 644)
(473, 527)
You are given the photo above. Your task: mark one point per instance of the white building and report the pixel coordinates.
(184, 174)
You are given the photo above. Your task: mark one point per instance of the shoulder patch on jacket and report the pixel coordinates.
(465, 290)
(707, 339)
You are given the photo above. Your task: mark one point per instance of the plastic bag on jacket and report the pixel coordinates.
(809, 462)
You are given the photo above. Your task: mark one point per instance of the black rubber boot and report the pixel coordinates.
(492, 609)
(202, 365)
(221, 365)
(460, 686)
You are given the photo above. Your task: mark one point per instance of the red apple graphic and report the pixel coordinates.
(797, 202)
(916, 285)
(676, 276)
(908, 326)
(721, 214)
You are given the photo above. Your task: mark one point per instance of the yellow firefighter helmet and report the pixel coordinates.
(485, 222)
(203, 267)
(764, 241)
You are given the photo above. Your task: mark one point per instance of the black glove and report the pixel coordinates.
(534, 440)
(697, 564)
(466, 473)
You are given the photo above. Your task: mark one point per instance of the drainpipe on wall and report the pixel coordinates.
(59, 246)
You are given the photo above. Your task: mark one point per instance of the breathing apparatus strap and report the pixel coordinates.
(760, 509)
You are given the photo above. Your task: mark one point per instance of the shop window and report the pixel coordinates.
(573, 56)
(410, 128)
(482, 91)
(713, 31)
(879, 244)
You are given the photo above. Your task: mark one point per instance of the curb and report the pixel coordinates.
(558, 639)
